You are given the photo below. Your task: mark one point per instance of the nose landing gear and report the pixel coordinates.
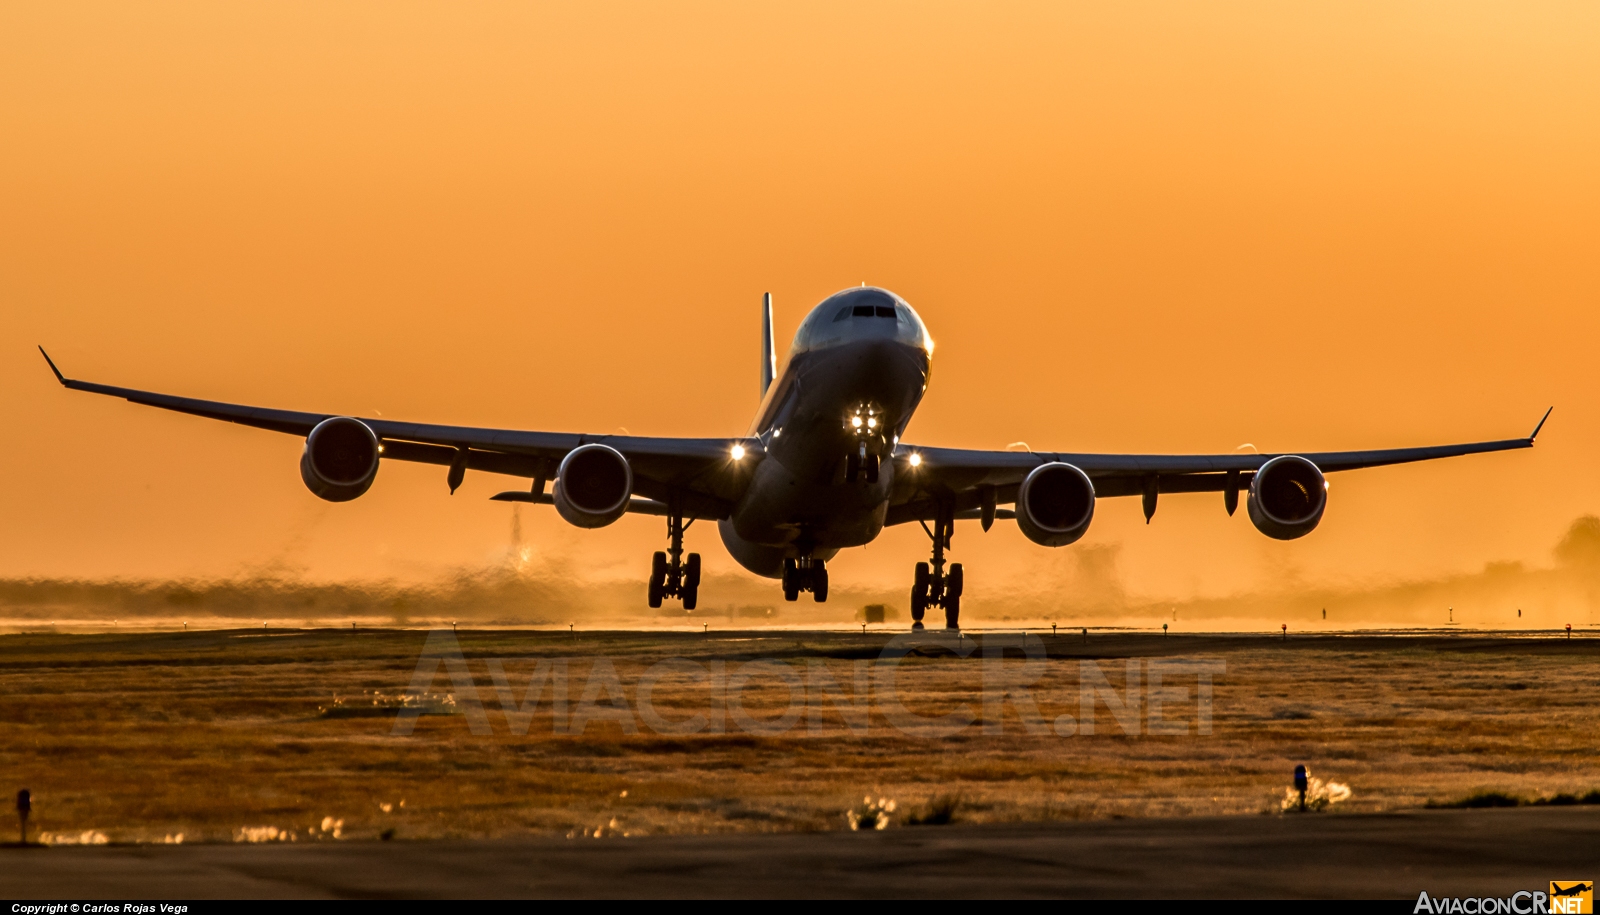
(677, 577)
(805, 574)
(932, 585)
(861, 463)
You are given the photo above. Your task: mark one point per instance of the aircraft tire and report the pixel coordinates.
(691, 596)
(691, 572)
(791, 582)
(956, 582)
(819, 583)
(654, 594)
(952, 613)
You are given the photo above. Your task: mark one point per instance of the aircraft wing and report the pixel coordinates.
(969, 478)
(698, 472)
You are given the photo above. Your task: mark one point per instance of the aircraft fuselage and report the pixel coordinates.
(830, 422)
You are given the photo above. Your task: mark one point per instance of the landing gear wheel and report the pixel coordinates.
(691, 581)
(791, 581)
(952, 613)
(956, 581)
(658, 580)
(919, 595)
(872, 468)
(819, 583)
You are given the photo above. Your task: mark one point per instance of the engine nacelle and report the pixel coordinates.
(593, 486)
(1287, 497)
(340, 459)
(1055, 504)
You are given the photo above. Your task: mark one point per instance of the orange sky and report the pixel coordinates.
(1131, 226)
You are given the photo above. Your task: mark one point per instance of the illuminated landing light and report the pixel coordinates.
(738, 452)
(855, 421)
(872, 422)
(915, 460)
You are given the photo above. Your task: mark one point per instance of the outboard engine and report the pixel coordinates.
(593, 486)
(1287, 497)
(340, 459)
(1055, 504)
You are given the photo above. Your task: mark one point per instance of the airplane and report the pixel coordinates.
(823, 467)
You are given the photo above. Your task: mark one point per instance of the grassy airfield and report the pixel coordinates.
(273, 735)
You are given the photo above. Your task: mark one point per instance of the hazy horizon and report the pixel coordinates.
(1086, 590)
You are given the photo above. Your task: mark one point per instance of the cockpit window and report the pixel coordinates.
(870, 311)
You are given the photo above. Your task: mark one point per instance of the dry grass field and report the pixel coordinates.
(142, 737)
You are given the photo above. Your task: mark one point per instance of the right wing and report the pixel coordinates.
(698, 474)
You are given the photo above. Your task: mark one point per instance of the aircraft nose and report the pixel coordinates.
(886, 369)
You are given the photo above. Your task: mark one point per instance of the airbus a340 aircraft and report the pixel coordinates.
(823, 467)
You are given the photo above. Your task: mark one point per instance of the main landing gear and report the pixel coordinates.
(933, 586)
(677, 577)
(805, 574)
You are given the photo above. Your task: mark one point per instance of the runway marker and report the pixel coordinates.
(24, 807)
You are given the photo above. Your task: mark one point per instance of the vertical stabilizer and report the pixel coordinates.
(769, 355)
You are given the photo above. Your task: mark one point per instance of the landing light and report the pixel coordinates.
(855, 421)
(738, 452)
(915, 460)
(872, 422)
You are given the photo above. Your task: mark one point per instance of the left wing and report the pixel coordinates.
(695, 473)
(967, 480)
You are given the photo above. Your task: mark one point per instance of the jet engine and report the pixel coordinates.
(593, 486)
(340, 459)
(1055, 504)
(1287, 496)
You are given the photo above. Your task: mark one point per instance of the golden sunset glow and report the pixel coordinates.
(1146, 227)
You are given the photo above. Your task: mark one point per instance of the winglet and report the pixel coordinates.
(59, 377)
(1541, 424)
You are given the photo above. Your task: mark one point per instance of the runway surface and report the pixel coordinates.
(1393, 855)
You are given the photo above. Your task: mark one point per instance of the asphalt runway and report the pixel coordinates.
(1393, 855)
